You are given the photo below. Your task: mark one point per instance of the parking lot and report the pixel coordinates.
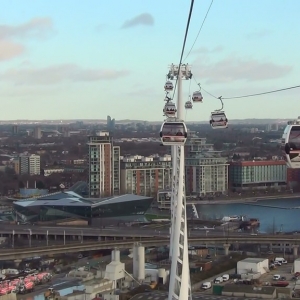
(284, 270)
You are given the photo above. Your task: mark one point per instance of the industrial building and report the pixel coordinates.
(297, 265)
(253, 266)
(64, 206)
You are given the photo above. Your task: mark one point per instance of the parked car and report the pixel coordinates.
(219, 280)
(276, 277)
(206, 285)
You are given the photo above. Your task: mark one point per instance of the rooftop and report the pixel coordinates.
(197, 296)
(266, 290)
(253, 260)
(70, 198)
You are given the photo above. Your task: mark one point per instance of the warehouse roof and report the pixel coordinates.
(253, 260)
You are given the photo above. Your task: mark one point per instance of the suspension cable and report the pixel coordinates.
(199, 29)
(184, 42)
(249, 95)
(263, 93)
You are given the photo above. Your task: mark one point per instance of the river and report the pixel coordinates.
(275, 214)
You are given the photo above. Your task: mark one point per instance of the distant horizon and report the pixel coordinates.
(256, 120)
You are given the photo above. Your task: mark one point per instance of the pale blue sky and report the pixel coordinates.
(88, 59)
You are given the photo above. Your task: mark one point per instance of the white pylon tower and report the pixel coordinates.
(180, 285)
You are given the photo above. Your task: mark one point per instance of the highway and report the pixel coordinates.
(9, 254)
(56, 233)
(86, 232)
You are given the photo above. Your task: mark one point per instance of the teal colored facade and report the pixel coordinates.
(248, 174)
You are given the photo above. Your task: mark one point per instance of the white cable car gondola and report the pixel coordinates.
(188, 105)
(168, 86)
(170, 109)
(197, 97)
(218, 120)
(173, 133)
(291, 144)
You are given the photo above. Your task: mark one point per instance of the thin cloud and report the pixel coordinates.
(234, 69)
(205, 50)
(100, 27)
(258, 34)
(58, 74)
(9, 50)
(142, 19)
(38, 27)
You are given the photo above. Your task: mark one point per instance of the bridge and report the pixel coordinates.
(10, 254)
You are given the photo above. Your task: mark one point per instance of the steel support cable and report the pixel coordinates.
(199, 29)
(184, 42)
(249, 95)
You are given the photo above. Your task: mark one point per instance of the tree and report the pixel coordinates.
(21, 185)
(40, 185)
(10, 171)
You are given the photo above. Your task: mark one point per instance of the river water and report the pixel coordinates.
(275, 214)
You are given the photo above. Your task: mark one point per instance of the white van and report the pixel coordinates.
(219, 280)
(225, 277)
(206, 285)
(281, 260)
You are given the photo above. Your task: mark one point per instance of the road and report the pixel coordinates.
(147, 231)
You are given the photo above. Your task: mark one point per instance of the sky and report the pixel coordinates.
(88, 59)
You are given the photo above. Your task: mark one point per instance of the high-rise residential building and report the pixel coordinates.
(145, 176)
(29, 164)
(37, 133)
(206, 172)
(15, 130)
(104, 166)
(34, 164)
(195, 145)
(245, 175)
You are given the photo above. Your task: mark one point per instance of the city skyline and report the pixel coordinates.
(88, 60)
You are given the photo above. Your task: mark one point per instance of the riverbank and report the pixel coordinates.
(229, 200)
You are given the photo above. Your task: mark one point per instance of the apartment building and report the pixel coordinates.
(206, 172)
(195, 145)
(245, 175)
(104, 166)
(145, 175)
(28, 164)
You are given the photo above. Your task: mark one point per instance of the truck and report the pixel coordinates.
(281, 260)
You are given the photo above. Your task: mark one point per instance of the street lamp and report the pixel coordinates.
(30, 233)
(47, 237)
(13, 239)
(64, 237)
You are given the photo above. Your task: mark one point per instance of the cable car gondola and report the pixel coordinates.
(291, 144)
(188, 105)
(197, 97)
(173, 133)
(168, 86)
(218, 120)
(170, 109)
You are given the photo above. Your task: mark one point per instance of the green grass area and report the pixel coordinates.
(155, 217)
